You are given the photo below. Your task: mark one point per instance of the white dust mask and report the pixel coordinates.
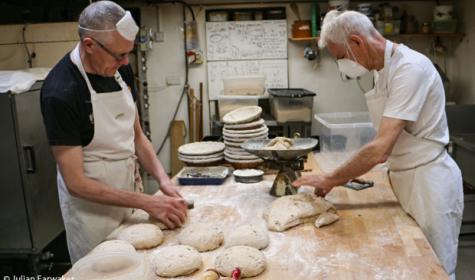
(351, 68)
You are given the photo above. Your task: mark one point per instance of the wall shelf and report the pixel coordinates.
(401, 36)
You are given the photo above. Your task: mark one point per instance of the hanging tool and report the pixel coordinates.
(309, 53)
(200, 127)
(191, 115)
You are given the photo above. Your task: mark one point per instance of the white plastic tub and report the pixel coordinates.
(244, 85)
(291, 105)
(342, 134)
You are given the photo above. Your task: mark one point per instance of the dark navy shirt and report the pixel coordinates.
(66, 102)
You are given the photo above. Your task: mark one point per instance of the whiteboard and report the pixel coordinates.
(233, 40)
(275, 72)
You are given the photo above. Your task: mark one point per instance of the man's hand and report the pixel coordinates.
(321, 183)
(170, 189)
(169, 210)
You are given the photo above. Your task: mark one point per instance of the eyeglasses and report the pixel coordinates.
(118, 57)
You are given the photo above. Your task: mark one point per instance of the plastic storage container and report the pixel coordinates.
(291, 105)
(244, 85)
(444, 26)
(342, 134)
(227, 103)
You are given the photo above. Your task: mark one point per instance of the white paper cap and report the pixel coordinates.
(127, 27)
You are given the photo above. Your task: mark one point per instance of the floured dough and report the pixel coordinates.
(292, 210)
(141, 217)
(114, 246)
(280, 143)
(251, 261)
(142, 236)
(177, 260)
(326, 219)
(112, 265)
(203, 237)
(251, 235)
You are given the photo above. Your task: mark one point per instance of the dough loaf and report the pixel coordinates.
(177, 260)
(114, 246)
(203, 237)
(251, 261)
(292, 210)
(142, 236)
(251, 235)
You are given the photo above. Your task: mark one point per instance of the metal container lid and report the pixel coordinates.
(290, 92)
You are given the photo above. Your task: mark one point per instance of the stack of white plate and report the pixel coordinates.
(240, 125)
(201, 153)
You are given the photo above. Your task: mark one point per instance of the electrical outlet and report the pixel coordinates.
(173, 80)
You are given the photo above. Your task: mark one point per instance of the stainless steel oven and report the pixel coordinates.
(30, 216)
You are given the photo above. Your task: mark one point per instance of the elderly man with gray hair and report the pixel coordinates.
(407, 108)
(93, 126)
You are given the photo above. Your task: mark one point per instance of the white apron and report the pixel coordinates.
(108, 158)
(425, 179)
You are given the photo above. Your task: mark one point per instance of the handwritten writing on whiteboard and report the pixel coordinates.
(274, 71)
(264, 39)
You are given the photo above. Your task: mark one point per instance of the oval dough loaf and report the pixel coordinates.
(114, 246)
(142, 236)
(202, 237)
(141, 217)
(251, 261)
(292, 210)
(177, 260)
(251, 235)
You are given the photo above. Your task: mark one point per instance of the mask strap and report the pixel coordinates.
(348, 50)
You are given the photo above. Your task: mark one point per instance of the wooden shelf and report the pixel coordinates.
(422, 35)
(305, 39)
(402, 36)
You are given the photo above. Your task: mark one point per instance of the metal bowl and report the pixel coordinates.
(301, 147)
(253, 177)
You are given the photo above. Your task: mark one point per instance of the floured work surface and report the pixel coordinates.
(373, 239)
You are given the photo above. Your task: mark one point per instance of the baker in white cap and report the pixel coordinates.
(93, 126)
(407, 108)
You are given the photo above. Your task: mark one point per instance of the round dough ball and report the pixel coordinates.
(251, 261)
(178, 260)
(114, 246)
(141, 217)
(142, 236)
(202, 237)
(249, 235)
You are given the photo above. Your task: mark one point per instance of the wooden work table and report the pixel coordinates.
(374, 238)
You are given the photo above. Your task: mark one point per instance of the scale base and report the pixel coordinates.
(283, 182)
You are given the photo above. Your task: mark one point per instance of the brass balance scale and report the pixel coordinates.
(289, 162)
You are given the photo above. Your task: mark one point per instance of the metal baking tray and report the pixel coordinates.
(211, 175)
